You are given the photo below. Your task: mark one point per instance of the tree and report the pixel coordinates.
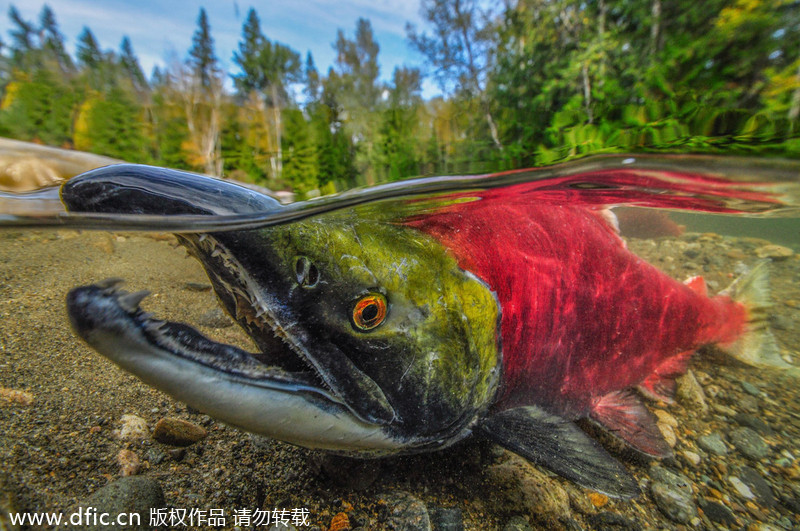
(312, 80)
(398, 145)
(202, 61)
(300, 168)
(200, 83)
(459, 51)
(130, 64)
(268, 68)
(22, 44)
(52, 41)
(111, 125)
(356, 89)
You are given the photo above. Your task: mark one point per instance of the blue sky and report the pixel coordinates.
(159, 29)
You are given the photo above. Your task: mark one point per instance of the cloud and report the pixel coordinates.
(158, 29)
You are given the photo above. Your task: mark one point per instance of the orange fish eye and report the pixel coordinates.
(369, 312)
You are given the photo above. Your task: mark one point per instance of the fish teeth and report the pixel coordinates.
(130, 302)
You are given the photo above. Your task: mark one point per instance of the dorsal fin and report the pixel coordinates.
(559, 445)
(624, 415)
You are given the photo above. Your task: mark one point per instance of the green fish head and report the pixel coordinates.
(371, 339)
(379, 311)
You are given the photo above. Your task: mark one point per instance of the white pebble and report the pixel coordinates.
(743, 490)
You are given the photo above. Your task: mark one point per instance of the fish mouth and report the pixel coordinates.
(292, 360)
(255, 392)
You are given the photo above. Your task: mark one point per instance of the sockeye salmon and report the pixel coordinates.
(407, 330)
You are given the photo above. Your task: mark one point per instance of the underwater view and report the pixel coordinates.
(416, 266)
(484, 352)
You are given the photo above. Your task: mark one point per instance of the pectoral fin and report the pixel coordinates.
(559, 445)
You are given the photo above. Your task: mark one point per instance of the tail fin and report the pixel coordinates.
(756, 346)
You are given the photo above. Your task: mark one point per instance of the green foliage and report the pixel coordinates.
(38, 107)
(525, 82)
(300, 167)
(113, 127)
(202, 60)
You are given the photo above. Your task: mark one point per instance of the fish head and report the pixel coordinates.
(370, 337)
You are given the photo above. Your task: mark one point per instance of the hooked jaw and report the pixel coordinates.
(220, 380)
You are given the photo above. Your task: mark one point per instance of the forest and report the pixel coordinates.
(524, 83)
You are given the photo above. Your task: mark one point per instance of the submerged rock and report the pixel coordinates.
(178, 432)
(673, 502)
(712, 444)
(446, 519)
(406, 513)
(718, 513)
(526, 488)
(749, 443)
(517, 523)
(133, 428)
(134, 494)
(741, 489)
(758, 486)
(775, 252)
(690, 394)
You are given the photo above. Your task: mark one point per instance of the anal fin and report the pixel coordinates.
(698, 285)
(559, 445)
(624, 415)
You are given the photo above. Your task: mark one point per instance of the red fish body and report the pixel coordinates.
(583, 318)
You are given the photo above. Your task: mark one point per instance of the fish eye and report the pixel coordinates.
(306, 272)
(369, 312)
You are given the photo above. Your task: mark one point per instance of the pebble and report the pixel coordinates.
(775, 252)
(340, 522)
(406, 513)
(526, 488)
(197, 286)
(154, 456)
(748, 403)
(129, 462)
(674, 480)
(718, 513)
(750, 421)
(692, 458)
(749, 443)
(713, 444)
(134, 494)
(750, 389)
(742, 489)
(690, 394)
(14, 397)
(665, 418)
(673, 502)
(446, 518)
(133, 428)
(668, 433)
(598, 500)
(609, 520)
(178, 432)
(215, 318)
(758, 485)
(517, 523)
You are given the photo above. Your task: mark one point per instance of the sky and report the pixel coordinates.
(160, 29)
